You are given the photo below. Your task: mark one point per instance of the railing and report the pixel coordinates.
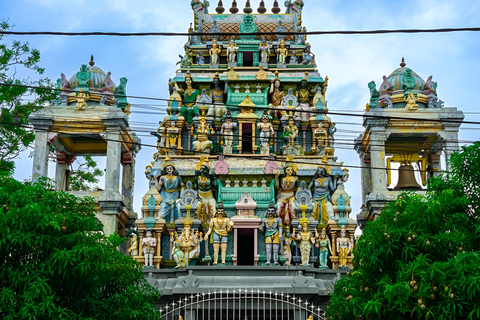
(241, 304)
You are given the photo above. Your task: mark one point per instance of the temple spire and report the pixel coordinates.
(403, 64)
(92, 63)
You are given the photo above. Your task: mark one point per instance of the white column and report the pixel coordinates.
(451, 144)
(377, 156)
(112, 175)
(40, 157)
(61, 176)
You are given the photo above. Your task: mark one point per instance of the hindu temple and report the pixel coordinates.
(246, 205)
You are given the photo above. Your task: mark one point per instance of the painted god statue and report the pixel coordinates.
(290, 132)
(324, 185)
(218, 95)
(282, 53)
(325, 247)
(343, 247)
(232, 50)
(305, 240)
(277, 96)
(186, 246)
(202, 136)
(170, 185)
(264, 49)
(219, 228)
(214, 51)
(266, 133)
(303, 96)
(226, 133)
(286, 186)
(272, 225)
(286, 249)
(205, 184)
(148, 244)
(190, 95)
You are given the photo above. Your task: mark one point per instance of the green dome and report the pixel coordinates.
(96, 79)
(395, 79)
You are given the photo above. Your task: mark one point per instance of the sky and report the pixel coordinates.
(350, 61)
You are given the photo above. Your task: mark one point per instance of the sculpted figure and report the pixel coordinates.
(226, 131)
(323, 187)
(205, 184)
(305, 239)
(133, 249)
(149, 243)
(303, 95)
(82, 99)
(343, 247)
(266, 133)
(277, 97)
(286, 250)
(170, 185)
(282, 53)
(308, 56)
(321, 138)
(294, 58)
(385, 84)
(200, 58)
(273, 233)
(411, 101)
(285, 197)
(264, 49)
(218, 94)
(232, 50)
(220, 226)
(408, 82)
(172, 133)
(214, 51)
(319, 103)
(325, 247)
(190, 95)
(374, 94)
(202, 134)
(290, 132)
(185, 245)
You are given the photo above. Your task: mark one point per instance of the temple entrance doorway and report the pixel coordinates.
(246, 247)
(248, 59)
(247, 138)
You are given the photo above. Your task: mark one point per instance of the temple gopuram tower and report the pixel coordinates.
(405, 124)
(90, 118)
(245, 189)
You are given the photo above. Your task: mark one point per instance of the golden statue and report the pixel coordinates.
(214, 51)
(306, 240)
(82, 98)
(411, 101)
(343, 247)
(282, 52)
(232, 49)
(202, 134)
(290, 131)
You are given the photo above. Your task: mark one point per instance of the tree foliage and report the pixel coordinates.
(53, 265)
(420, 259)
(16, 103)
(86, 176)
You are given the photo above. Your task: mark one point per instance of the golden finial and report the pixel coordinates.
(91, 61)
(403, 64)
(276, 73)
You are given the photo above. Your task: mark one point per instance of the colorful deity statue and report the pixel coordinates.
(170, 185)
(266, 133)
(148, 244)
(324, 185)
(190, 95)
(286, 250)
(343, 247)
(215, 52)
(325, 247)
(374, 94)
(121, 93)
(186, 246)
(226, 133)
(172, 133)
(319, 103)
(82, 98)
(205, 184)
(408, 82)
(232, 50)
(290, 132)
(273, 233)
(202, 134)
(219, 228)
(286, 186)
(411, 101)
(303, 95)
(277, 97)
(264, 49)
(305, 240)
(218, 94)
(282, 53)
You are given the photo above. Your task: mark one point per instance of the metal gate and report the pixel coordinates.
(241, 304)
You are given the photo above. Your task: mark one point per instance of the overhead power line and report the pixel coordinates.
(176, 34)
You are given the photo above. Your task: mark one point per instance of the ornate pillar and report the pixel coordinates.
(128, 179)
(451, 143)
(304, 141)
(158, 254)
(112, 175)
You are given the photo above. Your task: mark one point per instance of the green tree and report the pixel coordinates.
(17, 102)
(420, 259)
(53, 265)
(85, 177)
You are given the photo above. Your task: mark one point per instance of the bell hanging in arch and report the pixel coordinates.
(406, 178)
